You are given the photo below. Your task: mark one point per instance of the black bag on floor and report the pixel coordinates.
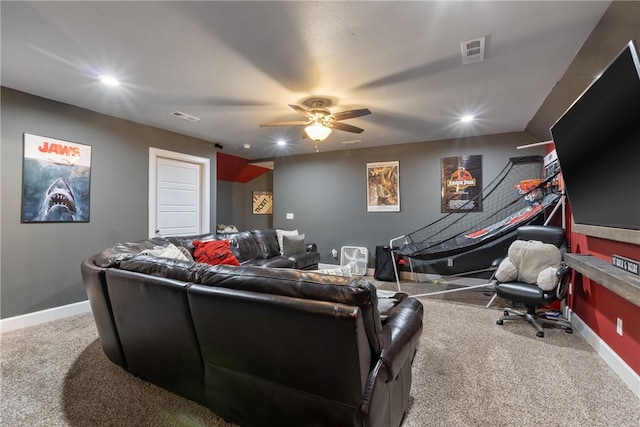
(384, 264)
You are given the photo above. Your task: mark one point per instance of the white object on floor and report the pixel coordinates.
(357, 257)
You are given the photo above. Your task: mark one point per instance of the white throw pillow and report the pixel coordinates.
(281, 233)
(507, 272)
(547, 279)
(171, 251)
(343, 270)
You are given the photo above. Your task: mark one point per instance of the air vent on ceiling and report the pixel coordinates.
(354, 141)
(184, 116)
(473, 50)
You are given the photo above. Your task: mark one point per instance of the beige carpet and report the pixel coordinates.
(468, 372)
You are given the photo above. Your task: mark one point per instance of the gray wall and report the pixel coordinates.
(40, 263)
(326, 192)
(619, 24)
(227, 211)
(235, 203)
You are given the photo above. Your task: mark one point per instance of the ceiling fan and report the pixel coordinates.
(320, 121)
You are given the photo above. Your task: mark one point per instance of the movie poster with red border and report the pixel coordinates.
(461, 184)
(56, 180)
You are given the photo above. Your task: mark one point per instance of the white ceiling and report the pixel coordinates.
(238, 64)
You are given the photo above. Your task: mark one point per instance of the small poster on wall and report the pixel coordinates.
(262, 203)
(56, 179)
(383, 187)
(461, 183)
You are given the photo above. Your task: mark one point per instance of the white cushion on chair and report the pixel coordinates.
(547, 279)
(531, 262)
(507, 271)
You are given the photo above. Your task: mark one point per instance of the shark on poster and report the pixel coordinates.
(56, 178)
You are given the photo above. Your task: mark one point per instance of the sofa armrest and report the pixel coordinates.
(401, 334)
(386, 394)
(312, 247)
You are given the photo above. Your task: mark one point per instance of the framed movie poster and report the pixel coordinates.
(383, 187)
(56, 178)
(461, 183)
(262, 203)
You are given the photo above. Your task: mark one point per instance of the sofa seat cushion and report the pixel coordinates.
(304, 260)
(354, 291)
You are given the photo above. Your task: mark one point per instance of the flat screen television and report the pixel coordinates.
(597, 141)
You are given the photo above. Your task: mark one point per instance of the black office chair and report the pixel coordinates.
(531, 295)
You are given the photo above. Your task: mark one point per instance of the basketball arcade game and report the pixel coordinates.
(465, 244)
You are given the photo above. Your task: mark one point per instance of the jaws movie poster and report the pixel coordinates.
(55, 180)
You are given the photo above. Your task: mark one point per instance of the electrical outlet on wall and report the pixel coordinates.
(619, 326)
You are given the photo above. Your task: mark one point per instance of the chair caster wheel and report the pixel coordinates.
(540, 334)
(499, 322)
(506, 313)
(569, 330)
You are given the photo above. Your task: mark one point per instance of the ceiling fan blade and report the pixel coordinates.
(350, 114)
(345, 127)
(302, 111)
(289, 123)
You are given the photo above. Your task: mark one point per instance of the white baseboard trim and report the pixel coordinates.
(43, 316)
(619, 366)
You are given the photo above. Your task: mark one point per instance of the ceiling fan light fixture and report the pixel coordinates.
(317, 132)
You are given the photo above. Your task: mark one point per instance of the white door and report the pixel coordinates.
(178, 194)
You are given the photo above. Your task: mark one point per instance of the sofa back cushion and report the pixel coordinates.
(267, 242)
(186, 271)
(187, 241)
(156, 331)
(272, 360)
(353, 291)
(243, 245)
(111, 257)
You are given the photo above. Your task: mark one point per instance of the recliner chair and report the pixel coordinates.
(531, 295)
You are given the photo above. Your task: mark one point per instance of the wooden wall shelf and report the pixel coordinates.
(623, 283)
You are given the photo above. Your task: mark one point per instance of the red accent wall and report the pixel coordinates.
(596, 305)
(237, 169)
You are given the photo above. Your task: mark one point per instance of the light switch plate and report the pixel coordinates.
(289, 215)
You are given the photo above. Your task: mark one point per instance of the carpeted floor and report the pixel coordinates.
(468, 372)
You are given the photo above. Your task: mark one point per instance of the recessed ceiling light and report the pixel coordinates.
(467, 118)
(246, 146)
(281, 142)
(109, 80)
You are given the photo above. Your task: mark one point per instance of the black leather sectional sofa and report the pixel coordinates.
(258, 346)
